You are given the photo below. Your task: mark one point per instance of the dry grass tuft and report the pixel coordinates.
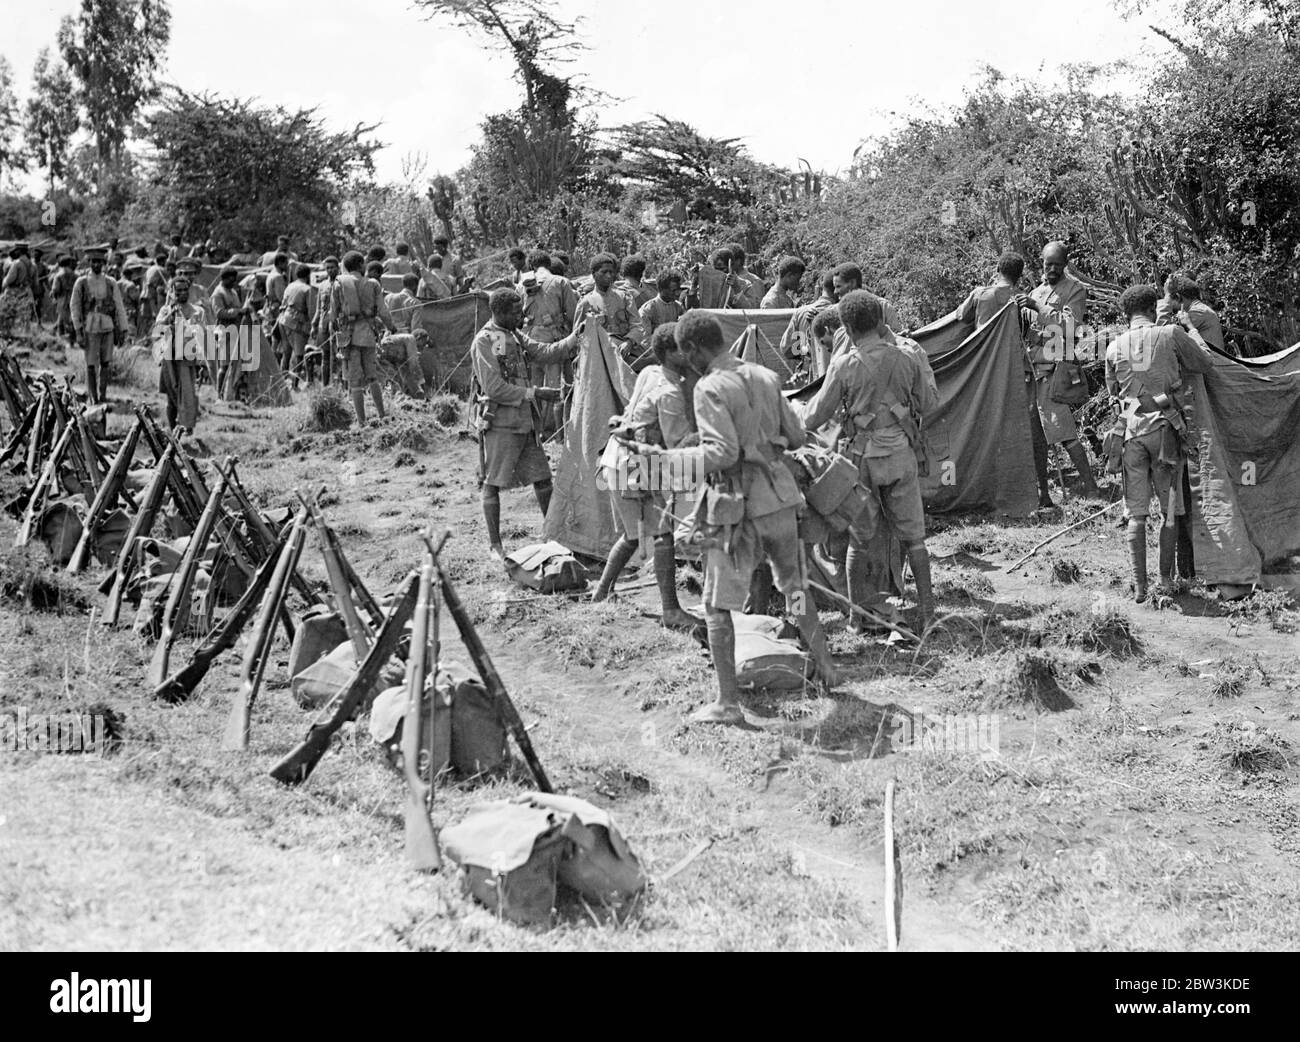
(1029, 678)
(328, 409)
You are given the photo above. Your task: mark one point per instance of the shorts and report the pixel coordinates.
(772, 537)
(363, 366)
(895, 498)
(1144, 474)
(514, 459)
(631, 512)
(1058, 420)
(296, 345)
(99, 348)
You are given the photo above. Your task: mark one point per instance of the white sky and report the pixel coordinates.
(792, 79)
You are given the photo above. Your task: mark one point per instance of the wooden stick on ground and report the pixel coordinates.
(1067, 528)
(893, 876)
(870, 616)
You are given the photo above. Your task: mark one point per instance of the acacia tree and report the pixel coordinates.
(114, 49)
(12, 157)
(234, 170)
(51, 119)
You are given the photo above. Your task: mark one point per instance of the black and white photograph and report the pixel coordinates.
(562, 476)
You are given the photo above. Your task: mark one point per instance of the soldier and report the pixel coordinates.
(295, 321)
(18, 287)
(784, 294)
(510, 455)
(845, 278)
(453, 271)
(323, 328)
(745, 424)
(153, 295)
(277, 281)
(518, 261)
(433, 285)
(798, 340)
(179, 347)
(61, 292)
(611, 308)
(267, 259)
(1198, 318)
(882, 392)
(402, 264)
(657, 414)
(356, 303)
(228, 312)
(549, 304)
(245, 257)
(666, 306)
(99, 317)
(405, 305)
(1144, 369)
(1058, 305)
(132, 295)
(632, 271)
(177, 249)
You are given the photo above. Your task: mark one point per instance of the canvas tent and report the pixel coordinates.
(1245, 470)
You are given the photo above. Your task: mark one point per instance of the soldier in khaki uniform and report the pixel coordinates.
(179, 347)
(295, 321)
(510, 455)
(657, 413)
(356, 305)
(881, 390)
(612, 308)
(99, 317)
(323, 328)
(1144, 369)
(744, 424)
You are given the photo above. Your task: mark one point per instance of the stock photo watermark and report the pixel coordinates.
(70, 733)
(222, 344)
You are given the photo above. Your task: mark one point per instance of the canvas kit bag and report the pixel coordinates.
(546, 568)
(515, 854)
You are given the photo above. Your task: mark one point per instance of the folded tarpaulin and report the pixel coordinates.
(1245, 468)
(580, 516)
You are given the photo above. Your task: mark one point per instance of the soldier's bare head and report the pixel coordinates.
(411, 281)
(1056, 255)
(374, 269)
(1139, 300)
(1011, 266)
(507, 308)
(604, 269)
(538, 259)
(846, 278)
(663, 342)
(302, 273)
(737, 257)
(790, 272)
(861, 312)
(517, 258)
(669, 284)
(700, 337)
(353, 261)
(633, 267)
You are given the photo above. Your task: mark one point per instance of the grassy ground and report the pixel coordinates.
(1144, 795)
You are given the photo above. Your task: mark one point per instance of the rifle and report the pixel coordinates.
(259, 648)
(179, 686)
(177, 612)
(19, 432)
(491, 680)
(357, 631)
(141, 525)
(298, 765)
(105, 499)
(421, 843)
(40, 433)
(354, 580)
(35, 500)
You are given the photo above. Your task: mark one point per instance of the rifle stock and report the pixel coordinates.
(356, 629)
(179, 686)
(177, 612)
(141, 525)
(254, 664)
(104, 499)
(298, 765)
(491, 680)
(38, 490)
(421, 843)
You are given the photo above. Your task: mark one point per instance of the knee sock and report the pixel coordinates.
(377, 396)
(666, 573)
(618, 558)
(919, 558)
(1079, 457)
(359, 406)
(722, 646)
(492, 514)
(542, 490)
(1168, 548)
(1137, 548)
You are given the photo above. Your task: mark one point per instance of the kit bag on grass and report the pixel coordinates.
(767, 655)
(546, 568)
(470, 735)
(514, 853)
(1068, 385)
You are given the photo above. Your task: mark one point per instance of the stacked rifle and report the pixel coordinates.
(52, 445)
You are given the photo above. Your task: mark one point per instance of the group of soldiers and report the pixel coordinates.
(329, 330)
(728, 421)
